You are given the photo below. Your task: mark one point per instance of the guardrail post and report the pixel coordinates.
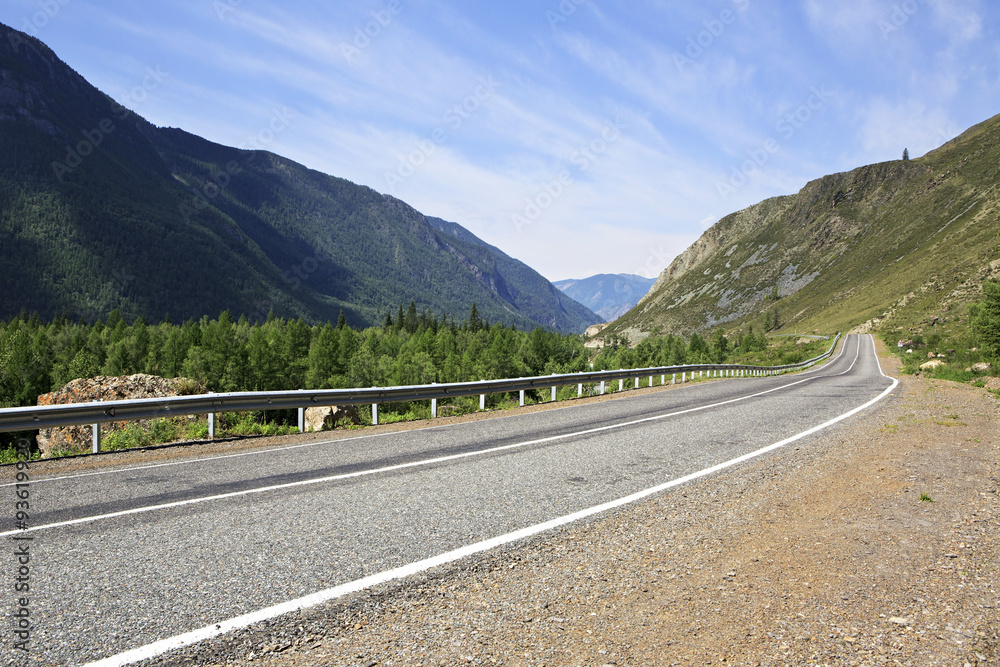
(579, 390)
(520, 398)
(482, 401)
(602, 387)
(434, 408)
(673, 379)
(302, 420)
(621, 384)
(211, 426)
(374, 414)
(95, 436)
(554, 394)
(637, 383)
(684, 377)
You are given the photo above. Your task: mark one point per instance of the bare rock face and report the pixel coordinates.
(77, 439)
(326, 418)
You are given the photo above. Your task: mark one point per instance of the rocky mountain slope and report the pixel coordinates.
(100, 210)
(847, 251)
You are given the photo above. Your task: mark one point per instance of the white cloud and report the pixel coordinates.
(845, 24)
(960, 20)
(887, 128)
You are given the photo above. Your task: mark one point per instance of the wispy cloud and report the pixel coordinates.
(888, 128)
(699, 89)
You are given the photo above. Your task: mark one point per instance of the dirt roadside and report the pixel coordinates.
(875, 543)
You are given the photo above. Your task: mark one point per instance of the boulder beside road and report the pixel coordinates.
(77, 439)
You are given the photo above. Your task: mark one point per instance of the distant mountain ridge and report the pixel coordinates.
(608, 295)
(846, 252)
(101, 210)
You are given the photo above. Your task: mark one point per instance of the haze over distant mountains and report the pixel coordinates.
(101, 210)
(608, 295)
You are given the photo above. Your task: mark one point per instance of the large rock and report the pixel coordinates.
(981, 367)
(77, 439)
(327, 417)
(931, 365)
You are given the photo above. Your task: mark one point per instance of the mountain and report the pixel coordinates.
(101, 210)
(608, 295)
(848, 250)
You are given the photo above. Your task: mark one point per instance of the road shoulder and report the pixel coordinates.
(872, 543)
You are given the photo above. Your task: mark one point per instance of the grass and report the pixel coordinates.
(924, 498)
(232, 424)
(907, 242)
(9, 455)
(782, 351)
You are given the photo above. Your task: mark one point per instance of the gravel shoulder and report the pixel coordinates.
(872, 543)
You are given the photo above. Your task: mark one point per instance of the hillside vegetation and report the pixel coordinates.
(886, 245)
(410, 347)
(102, 211)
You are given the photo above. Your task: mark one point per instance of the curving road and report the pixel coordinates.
(126, 558)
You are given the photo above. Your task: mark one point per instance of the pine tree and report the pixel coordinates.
(411, 324)
(474, 322)
(986, 319)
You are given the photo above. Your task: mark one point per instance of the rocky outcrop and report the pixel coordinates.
(77, 439)
(326, 418)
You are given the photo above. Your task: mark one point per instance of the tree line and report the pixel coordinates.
(225, 354)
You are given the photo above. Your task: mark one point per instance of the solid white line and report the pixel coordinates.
(300, 446)
(401, 466)
(208, 458)
(245, 620)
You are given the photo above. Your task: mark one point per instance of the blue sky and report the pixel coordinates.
(580, 136)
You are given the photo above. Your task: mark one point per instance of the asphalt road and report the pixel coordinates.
(125, 558)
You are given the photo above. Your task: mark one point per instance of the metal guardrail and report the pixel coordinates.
(95, 413)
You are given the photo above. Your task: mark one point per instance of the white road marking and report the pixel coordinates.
(240, 622)
(404, 466)
(288, 447)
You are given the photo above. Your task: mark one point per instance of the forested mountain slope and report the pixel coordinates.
(100, 210)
